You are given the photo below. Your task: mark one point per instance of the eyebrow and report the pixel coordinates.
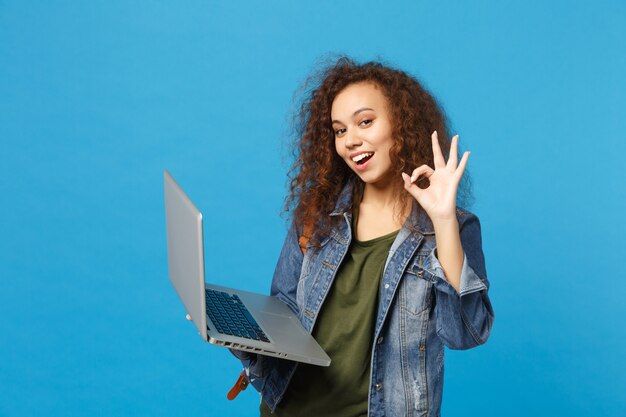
(362, 109)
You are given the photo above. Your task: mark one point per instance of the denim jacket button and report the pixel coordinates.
(380, 340)
(379, 386)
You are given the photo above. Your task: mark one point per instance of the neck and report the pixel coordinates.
(380, 211)
(380, 195)
(384, 198)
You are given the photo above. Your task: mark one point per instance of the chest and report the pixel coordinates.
(405, 273)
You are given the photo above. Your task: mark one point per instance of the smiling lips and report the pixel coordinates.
(361, 159)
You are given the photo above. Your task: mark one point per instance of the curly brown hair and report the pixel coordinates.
(318, 174)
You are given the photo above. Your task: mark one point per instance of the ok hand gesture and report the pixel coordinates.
(439, 199)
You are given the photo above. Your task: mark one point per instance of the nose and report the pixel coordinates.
(352, 139)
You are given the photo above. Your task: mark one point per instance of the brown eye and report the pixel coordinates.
(366, 122)
(339, 131)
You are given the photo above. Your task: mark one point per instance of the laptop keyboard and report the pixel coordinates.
(231, 317)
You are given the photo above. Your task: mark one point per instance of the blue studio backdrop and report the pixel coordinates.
(97, 98)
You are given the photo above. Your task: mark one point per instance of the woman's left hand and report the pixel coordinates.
(439, 199)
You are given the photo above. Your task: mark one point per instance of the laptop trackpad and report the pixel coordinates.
(275, 323)
(275, 314)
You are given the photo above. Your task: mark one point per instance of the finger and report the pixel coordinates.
(437, 156)
(421, 170)
(188, 317)
(454, 150)
(461, 168)
(412, 189)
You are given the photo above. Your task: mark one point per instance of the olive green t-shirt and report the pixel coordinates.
(345, 330)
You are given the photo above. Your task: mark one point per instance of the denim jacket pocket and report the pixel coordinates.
(416, 287)
(310, 268)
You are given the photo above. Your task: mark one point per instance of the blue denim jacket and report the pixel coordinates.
(418, 313)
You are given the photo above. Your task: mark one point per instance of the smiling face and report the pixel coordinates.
(362, 126)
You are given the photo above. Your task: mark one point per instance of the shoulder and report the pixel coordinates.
(465, 216)
(460, 211)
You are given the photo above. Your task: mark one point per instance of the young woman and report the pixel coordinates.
(379, 264)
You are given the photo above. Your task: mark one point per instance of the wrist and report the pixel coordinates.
(445, 224)
(442, 217)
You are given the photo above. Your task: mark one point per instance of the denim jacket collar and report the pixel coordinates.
(344, 202)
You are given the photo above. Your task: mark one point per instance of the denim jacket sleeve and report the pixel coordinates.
(464, 318)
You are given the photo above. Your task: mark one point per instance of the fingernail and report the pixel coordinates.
(404, 176)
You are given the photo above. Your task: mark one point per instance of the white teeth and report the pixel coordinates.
(361, 156)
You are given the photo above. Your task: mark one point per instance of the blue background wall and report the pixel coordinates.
(97, 98)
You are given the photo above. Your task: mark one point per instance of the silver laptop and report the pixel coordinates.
(224, 316)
